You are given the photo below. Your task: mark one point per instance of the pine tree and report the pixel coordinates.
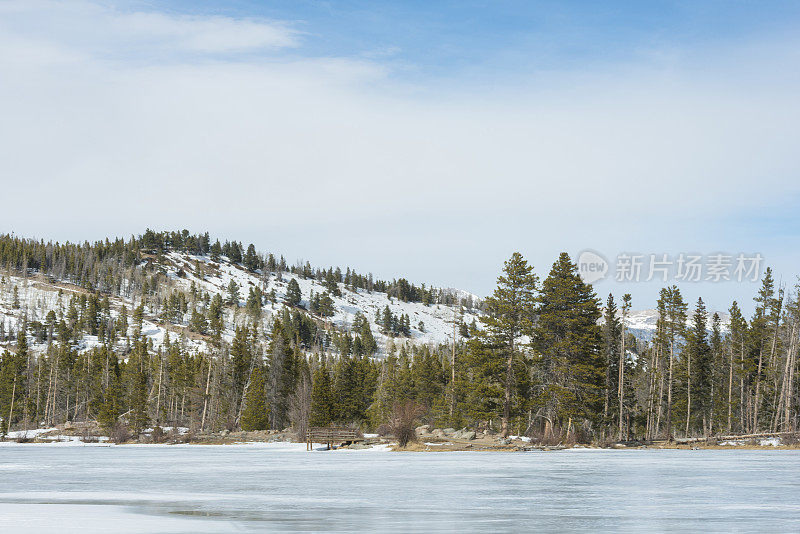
(354, 388)
(698, 353)
(233, 293)
(253, 305)
(216, 251)
(623, 364)
(325, 305)
(255, 414)
(215, 317)
(674, 319)
(719, 376)
(509, 314)
(282, 378)
(241, 363)
(122, 322)
(612, 337)
(139, 417)
(111, 407)
(198, 322)
(293, 295)
(323, 406)
(738, 339)
(569, 343)
(763, 337)
(251, 260)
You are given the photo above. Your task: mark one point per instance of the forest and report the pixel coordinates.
(548, 358)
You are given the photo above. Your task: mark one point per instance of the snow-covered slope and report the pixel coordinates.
(432, 324)
(642, 323)
(429, 324)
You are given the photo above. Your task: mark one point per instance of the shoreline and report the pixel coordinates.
(387, 445)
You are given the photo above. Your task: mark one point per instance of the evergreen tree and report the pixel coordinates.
(137, 397)
(233, 293)
(251, 260)
(509, 314)
(324, 305)
(354, 388)
(198, 322)
(674, 308)
(216, 251)
(293, 295)
(719, 376)
(738, 340)
(569, 343)
(699, 378)
(241, 363)
(762, 343)
(323, 405)
(111, 407)
(283, 373)
(612, 342)
(255, 414)
(215, 317)
(122, 322)
(253, 304)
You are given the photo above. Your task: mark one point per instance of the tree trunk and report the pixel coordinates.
(669, 388)
(621, 378)
(730, 390)
(205, 397)
(11, 409)
(758, 390)
(688, 391)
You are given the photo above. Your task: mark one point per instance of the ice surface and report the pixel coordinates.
(281, 487)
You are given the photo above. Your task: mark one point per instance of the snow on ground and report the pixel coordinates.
(37, 296)
(429, 324)
(642, 323)
(16, 434)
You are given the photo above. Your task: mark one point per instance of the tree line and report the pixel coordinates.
(548, 359)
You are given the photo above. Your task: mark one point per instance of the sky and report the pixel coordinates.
(428, 140)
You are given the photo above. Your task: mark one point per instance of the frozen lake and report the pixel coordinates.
(257, 488)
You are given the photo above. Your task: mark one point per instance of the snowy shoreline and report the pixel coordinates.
(280, 446)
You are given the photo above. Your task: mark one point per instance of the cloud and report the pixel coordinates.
(103, 30)
(206, 34)
(335, 159)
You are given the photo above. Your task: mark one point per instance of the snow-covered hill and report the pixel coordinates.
(430, 324)
(36, 296)
(642, 323)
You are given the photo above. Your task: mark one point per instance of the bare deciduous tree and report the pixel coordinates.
(404, 416)
(300, 408)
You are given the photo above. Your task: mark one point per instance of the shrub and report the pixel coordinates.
(404, 417)
(120, 434)
(158, 435)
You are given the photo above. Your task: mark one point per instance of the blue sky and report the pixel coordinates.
(420, 139)
(450, 38)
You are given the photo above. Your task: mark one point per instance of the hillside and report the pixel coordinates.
(429, 324)
(642, 323)
(199, 275)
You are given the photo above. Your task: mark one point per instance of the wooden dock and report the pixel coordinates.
(331, 436)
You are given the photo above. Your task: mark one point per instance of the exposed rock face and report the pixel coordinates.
(464, 434)
(423, 430)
